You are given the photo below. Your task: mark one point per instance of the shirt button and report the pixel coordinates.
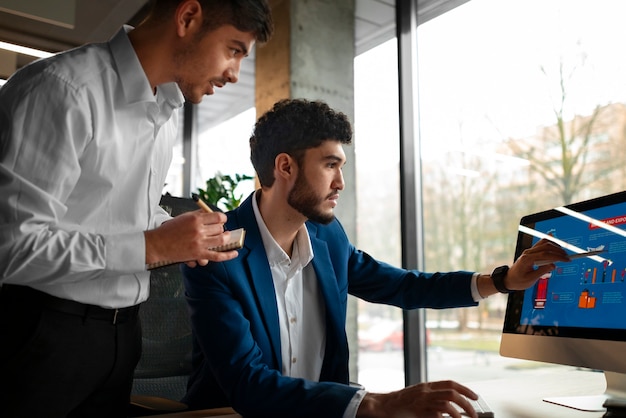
(293, 360)
(292, 320)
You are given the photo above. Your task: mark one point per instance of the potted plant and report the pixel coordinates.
(221, 190)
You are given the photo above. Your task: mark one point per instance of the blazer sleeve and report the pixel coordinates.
(229, 330)
(379, 282)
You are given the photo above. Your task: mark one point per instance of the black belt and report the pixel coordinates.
(30, 296)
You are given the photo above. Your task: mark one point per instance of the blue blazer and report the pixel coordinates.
(234, 316)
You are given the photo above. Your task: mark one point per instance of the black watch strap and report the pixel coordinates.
(497, 276)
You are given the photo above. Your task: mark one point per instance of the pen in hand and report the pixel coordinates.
(202, 206)
(572, 257)
(201, 203)
(237, 235)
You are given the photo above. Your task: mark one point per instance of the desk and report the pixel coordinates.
(212, 413)
(519, 397)
(523, 397)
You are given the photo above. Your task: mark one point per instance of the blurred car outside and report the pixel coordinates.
(382, 336)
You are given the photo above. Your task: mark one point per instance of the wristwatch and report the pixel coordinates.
(497, 276)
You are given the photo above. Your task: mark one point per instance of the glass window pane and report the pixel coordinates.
(174, 179)
(521, 109)
(376, 142)
(225, 149)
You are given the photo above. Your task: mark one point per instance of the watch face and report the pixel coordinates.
(498, 278)
(500, 271)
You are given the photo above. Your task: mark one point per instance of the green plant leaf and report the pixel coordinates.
(220, 190)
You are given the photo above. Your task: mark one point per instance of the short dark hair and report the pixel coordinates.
(292, 126)
(253, 16)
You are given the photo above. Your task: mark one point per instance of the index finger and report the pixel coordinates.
(457, 396)
(547, 252)
(451, 384)
(463, 405)
(212, 217)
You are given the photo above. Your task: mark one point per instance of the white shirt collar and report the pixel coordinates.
(303, 251)
(134, 81)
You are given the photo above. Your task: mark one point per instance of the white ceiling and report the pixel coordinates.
(97, 20)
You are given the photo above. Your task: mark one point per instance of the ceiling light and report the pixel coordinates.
(25, 50)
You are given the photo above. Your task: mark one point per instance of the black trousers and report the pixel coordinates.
(60, 358)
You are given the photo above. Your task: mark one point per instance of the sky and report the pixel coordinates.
(481, 64)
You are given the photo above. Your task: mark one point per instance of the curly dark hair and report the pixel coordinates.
(292, 126)
(253, 16)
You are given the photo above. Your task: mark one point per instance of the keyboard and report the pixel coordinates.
(481, 407)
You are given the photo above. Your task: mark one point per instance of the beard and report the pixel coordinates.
(184, 55)
(304, 200)
(187, 57)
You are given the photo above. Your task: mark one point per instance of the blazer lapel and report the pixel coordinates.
(336, 342)
(325, 272)
(259, 275)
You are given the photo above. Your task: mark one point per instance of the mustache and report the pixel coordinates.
(220, 81)
(331, 194)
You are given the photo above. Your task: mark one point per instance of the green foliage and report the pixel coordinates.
(220, 190)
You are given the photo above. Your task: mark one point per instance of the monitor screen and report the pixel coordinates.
(576, 314)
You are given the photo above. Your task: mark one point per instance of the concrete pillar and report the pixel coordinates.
(311, 56)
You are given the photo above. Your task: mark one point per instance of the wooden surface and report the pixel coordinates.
(216, 413)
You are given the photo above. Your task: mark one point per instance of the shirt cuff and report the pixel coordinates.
(354, 404)
(125, 253)
(474, 286)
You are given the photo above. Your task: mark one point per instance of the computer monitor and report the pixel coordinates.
(577, 314)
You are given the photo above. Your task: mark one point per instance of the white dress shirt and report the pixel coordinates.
(301, 311)
(85, 146)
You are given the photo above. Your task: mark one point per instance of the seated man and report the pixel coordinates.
(269, 325)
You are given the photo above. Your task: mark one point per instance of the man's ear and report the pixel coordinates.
(285, 166)
(188, 17)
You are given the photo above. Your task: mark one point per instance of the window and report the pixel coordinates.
(376, 145)
(521, 109)
(225, 149)
(174, 179)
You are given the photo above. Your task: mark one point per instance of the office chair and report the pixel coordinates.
(161, 376)
(165, 362)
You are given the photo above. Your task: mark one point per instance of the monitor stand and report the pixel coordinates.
(615, 391)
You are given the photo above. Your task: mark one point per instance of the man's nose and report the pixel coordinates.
(232, 74)
(339, 183)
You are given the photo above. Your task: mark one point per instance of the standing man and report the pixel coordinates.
(270, 325)
(86, 140)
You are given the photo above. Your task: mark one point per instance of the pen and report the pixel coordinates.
(201, 203)
(587, 254)
(572, 257)
(202, 206)
(237, 237)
